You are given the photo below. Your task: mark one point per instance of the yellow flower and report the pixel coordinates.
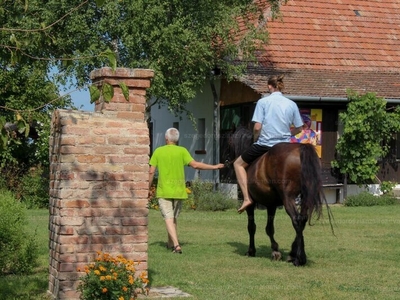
(131, 281)
(124, 288)
(188, 191)
(121, 298)
(108, 277)
(102, 278)
(103, 269)
(97, 272)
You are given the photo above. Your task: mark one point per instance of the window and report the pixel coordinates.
(201, 136)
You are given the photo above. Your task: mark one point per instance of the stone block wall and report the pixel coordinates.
(99, 181)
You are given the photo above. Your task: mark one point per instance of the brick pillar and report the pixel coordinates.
(99, 181)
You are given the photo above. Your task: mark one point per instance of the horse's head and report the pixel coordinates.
(240, 140)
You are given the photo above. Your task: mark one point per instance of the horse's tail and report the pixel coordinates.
(312, 193)
(311, 181)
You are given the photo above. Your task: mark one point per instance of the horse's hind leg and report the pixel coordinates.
(297, 254)
(251, 228)
(270, 231)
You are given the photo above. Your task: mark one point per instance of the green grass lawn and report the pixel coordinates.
(360, 262)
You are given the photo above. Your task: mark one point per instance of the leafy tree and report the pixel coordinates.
(368, 129)
(182, 41)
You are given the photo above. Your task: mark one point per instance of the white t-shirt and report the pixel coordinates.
(277, 114)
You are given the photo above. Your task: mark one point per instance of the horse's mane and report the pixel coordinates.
(240, 140)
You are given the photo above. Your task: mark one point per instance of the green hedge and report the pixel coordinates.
(367, 199)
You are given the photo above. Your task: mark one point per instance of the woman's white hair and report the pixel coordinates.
(172, 135)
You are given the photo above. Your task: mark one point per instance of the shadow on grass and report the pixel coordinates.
(24, 286)
(262, 252)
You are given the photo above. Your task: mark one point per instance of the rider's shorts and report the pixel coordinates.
(254, 152)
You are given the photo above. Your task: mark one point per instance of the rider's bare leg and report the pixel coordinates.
(240, 169)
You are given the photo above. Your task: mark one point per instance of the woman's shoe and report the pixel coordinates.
(177, 249)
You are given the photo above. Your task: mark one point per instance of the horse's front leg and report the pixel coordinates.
(270, 231)
(251, 229)
(297, 254)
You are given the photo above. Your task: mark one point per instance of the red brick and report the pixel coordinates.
(90, 159)
(105, 240)
(139, 116)
(137, 150)
(119, 140)
(90, 140)
(131, 239)
(137, 169)
(72, 240)
(105, 203)
(67, 267)
(104, 131)
(134, 221)
(67, 230)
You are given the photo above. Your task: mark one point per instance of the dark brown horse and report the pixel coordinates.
(287, 175)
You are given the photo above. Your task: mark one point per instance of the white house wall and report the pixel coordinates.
(202, 106)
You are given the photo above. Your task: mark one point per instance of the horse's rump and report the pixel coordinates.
(275, 174)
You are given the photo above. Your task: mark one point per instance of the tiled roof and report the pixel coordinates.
(325, 47)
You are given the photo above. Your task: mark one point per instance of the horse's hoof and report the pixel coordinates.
(295, 261)
(250, 254)
(276, 255)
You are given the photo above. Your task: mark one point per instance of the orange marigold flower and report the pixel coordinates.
(104, 290)
(124, 288)
(131, 280)
(108, 277)
(121, 298)
(102, 278)
(103, 269)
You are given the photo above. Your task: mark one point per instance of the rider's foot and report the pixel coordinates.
(246, 203)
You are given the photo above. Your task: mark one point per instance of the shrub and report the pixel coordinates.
(18, 250)
(367, 199)
(387, 187)
(204, 198)
(214, 201)
(34, 188)
(152, 201)
(111, 278)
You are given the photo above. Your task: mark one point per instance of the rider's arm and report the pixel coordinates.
(296, 130)
(256, 131)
